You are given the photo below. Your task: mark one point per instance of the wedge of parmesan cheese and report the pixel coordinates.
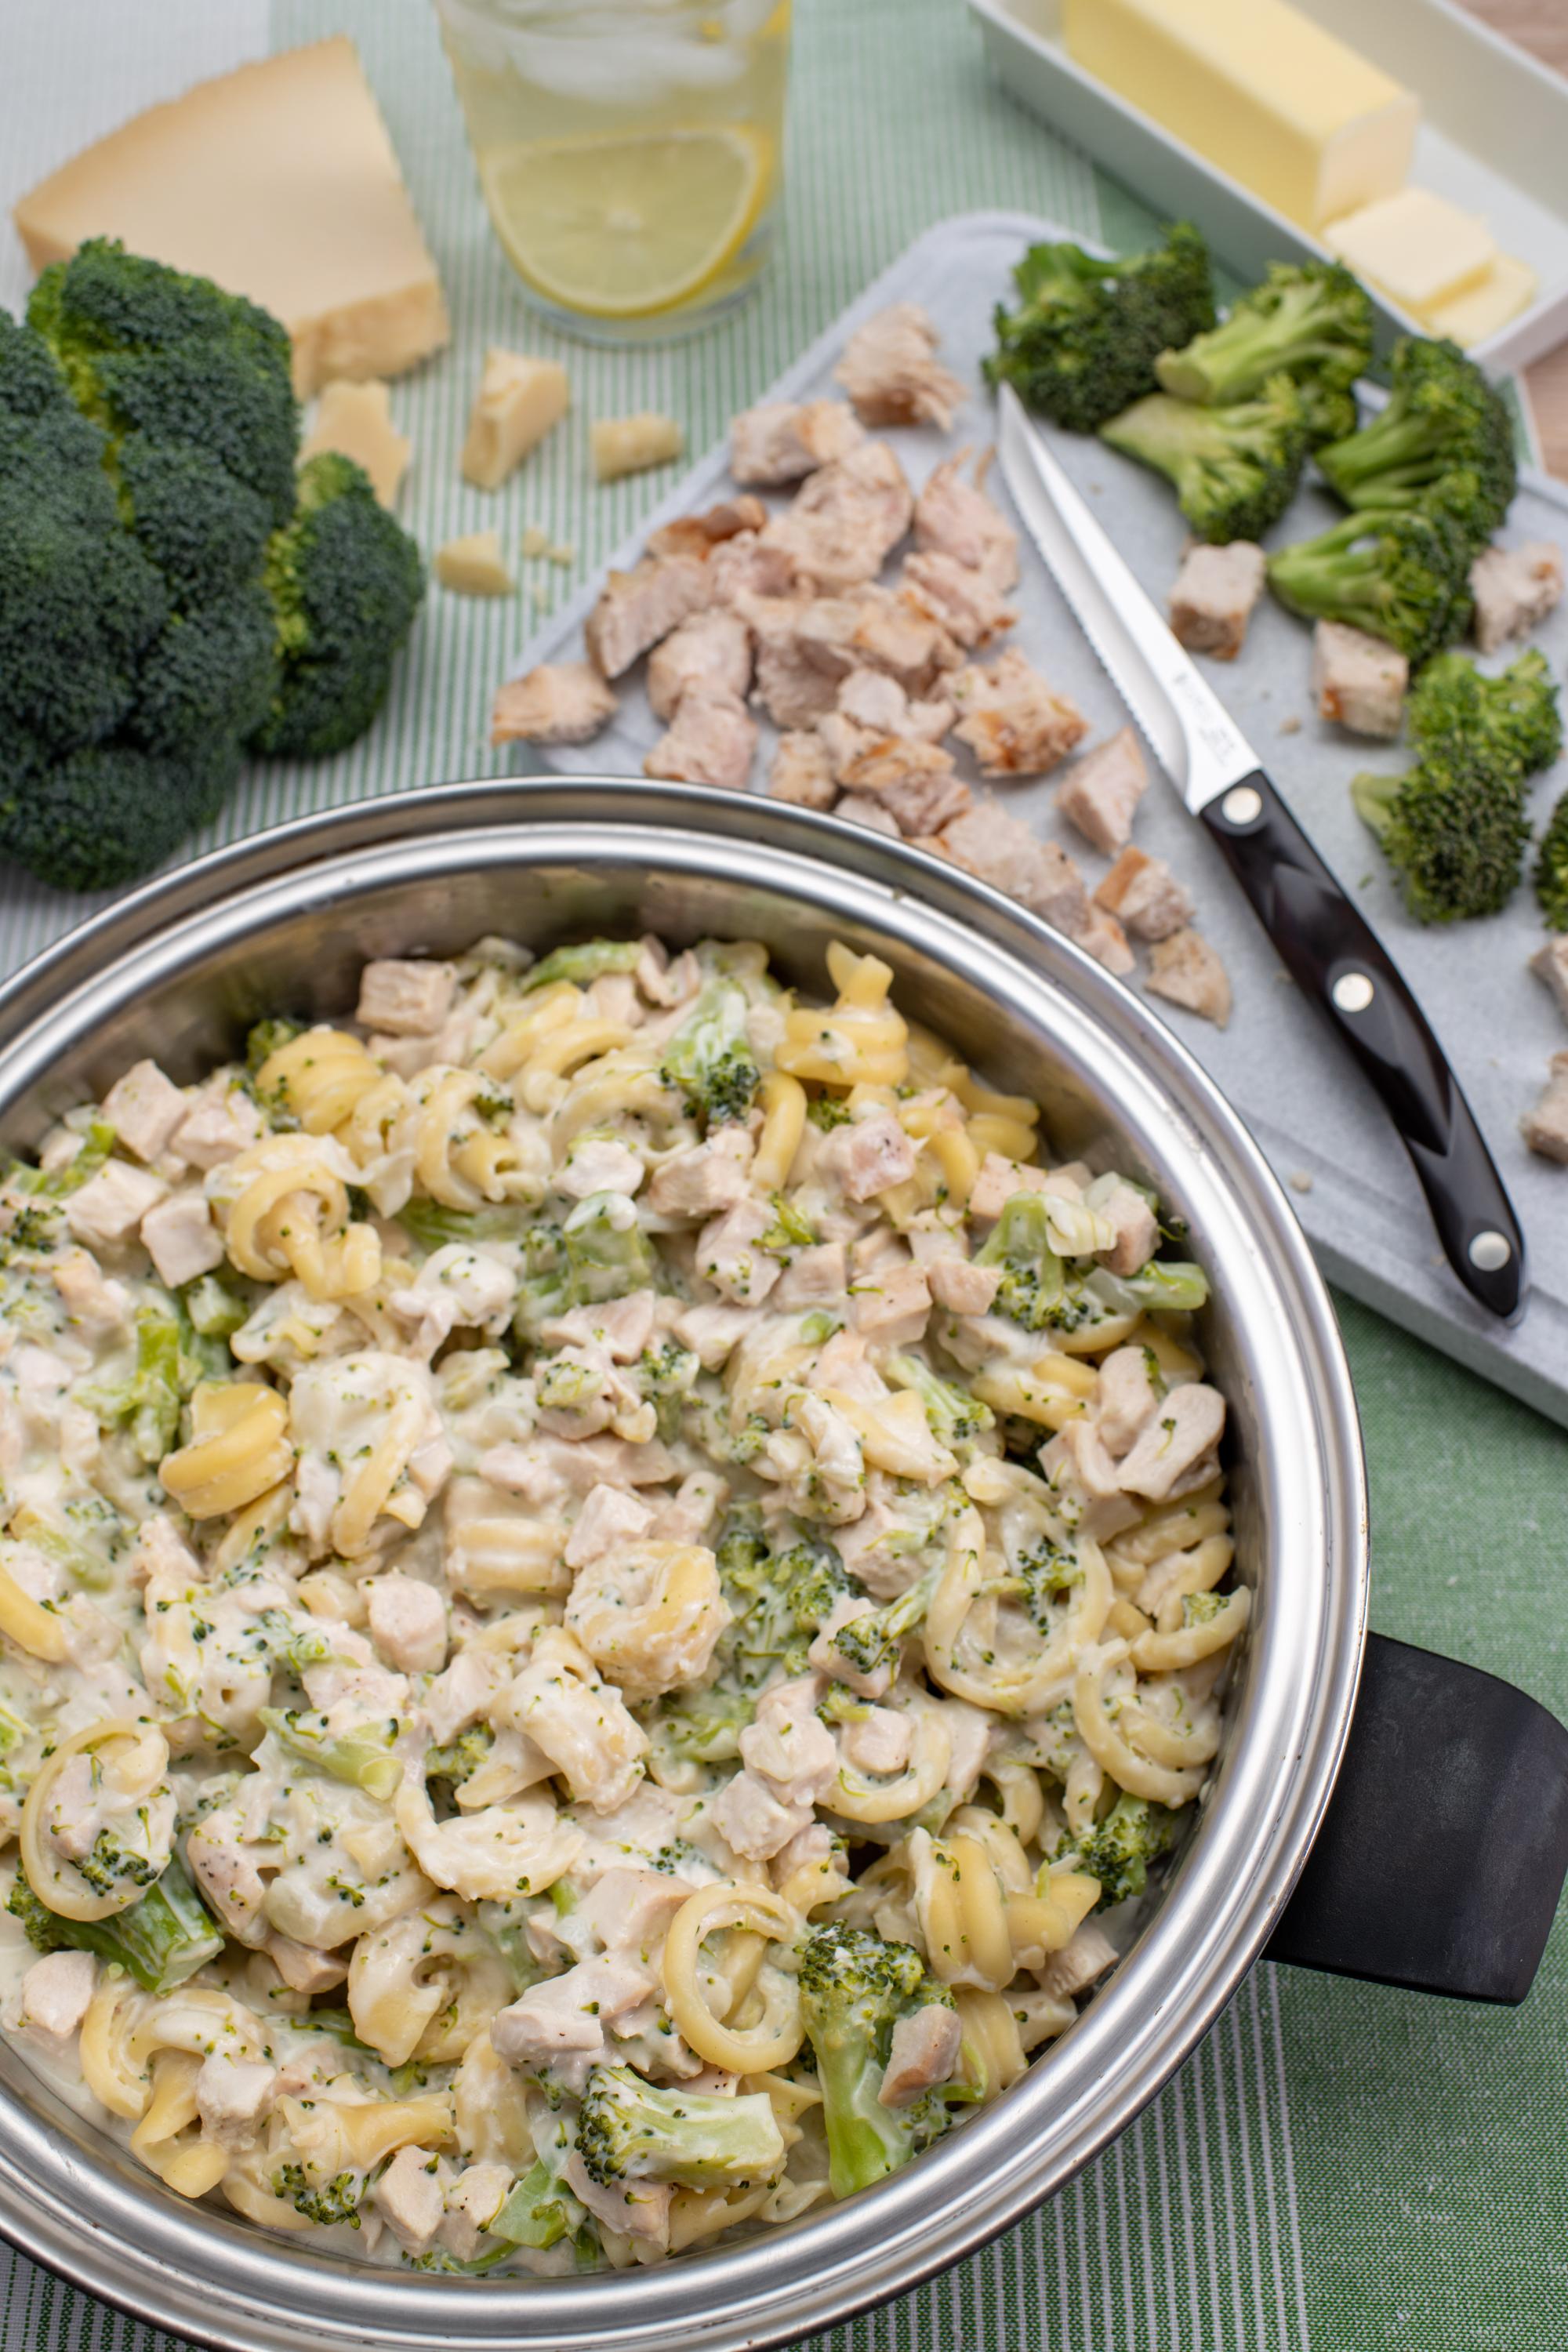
(278, 182)
(474, 565)
(629, 444)
(356, 420)
(517, 403)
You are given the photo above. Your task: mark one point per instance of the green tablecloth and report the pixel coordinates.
(1338, 2167)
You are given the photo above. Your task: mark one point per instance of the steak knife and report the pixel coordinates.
(1327, 946)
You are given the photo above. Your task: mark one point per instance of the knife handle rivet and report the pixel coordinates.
(1489, 1251)
(1353, 991)
(1242, 805)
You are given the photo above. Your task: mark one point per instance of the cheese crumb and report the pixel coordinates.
(517, 403)
(355, 420)
(629, 444)
(474, 565)
(535, 540)
(561, 553)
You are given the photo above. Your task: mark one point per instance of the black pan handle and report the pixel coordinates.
(1442, 1855)
(1338, 962)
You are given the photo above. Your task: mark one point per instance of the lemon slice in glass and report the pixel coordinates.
(622, 227)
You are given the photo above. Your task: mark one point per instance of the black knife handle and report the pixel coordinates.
(1338, 962)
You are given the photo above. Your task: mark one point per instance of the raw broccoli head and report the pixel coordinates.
(345, 580)
(710, 1057)
(1512, 720)
(1329, 411)
(1442, 418)
(1401, 575)
(1235, 469)
(1307, 319)
(629, 2130)
(854, 1988)
(1082, 341)
(1119, 1850)
(1453, 829)
(1551, 868)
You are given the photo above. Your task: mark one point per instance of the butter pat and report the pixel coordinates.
(629, 444)
(278, 182)
(1260, 90)
(1504, 291)
(474, 565)
(517, 403)
(1415, 248)
(355, 419)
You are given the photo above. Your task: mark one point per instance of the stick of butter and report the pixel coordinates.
(1261, 91)
(1415, 248)
(1507, 287)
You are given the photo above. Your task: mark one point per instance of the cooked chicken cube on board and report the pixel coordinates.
(559, 702)
(875, 815)
(781, 440)
(699, 534)
(792, 688)
(711, 652)
(1552, 963)
(1143, 894)
(961, 600)
(1185, 970)
(1545, 1128)
(1104, 939)
(845, 518)
(1212, 597)
(914, 780)
(954, 517)
(802, 771)
(1101, 795)
(1014, 722)
(1358, 681)
(749, 565)
(710, 741)
(636, 608)
(891, 373)
(873, 700)
(877, 629)
(997, 847)
(1515, 588)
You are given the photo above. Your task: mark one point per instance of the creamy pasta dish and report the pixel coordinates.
(611, 1585)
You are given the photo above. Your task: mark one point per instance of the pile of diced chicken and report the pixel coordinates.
(864, 679)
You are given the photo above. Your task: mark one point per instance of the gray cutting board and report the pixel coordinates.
(1307, 1106)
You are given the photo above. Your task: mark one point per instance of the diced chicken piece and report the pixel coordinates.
(109, 1207)
(408, 1622)
(813, 1275)
(473, 2201)
(1175, 1452)
(751, 1820)
(57, 1993)
(1552, 963)
(712, 1175)
(999, 1180)
(699, 534)
(693, 1510)
(629, 1910)
(710, 742)
(1186, 970)
(88, 1300)
(999, 848)
(1137, 1231)
(1545, 1128)
(617, 1327)
(961, 600)
(1144, 896)
(1214, 595)
(711, 654)
(894, 1307)
(561, 2023)
(875, 815)
(730, 1254)
(1080, 1446)
(954, 517)
(1124, 1399)
(1514, 589)
(222, 1122)
(180, 1237)
(780, 440)
(410, 2198)
(875, 629)
(1014, 722)
(558, 702)
(1078, 1965)
(410, 1000)
(847, 519)
(608, 1519)
(1358, 680)
(232, 2095)
(144, 1107)
(923, 2049)
(892, 375)
(868, 1156)
(599, 1163)
(713, 1333)
(915, 780)
(663, 981)
(801, 772)
(632, 2209)
(881, 1741)
(1102, 793)
(794, 689)
(302, 1968)
(1103, 938)
(788, 1746)
(749, 565)
(874, 700)
(636, 608)
(962, 1286)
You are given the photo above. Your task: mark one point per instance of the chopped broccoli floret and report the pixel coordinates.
(215, 1308)
(1513, 720)
(322, 2201)
(629, 2130)
(607, 1253)
(1032, 1276)
(873, 1641)
(1443, 417)
(363, 1760)
(1235, 469)
(778, 1601)
(461, 1757)
(1401, 575)
(953, 1414)
(582, 962)
(1308, 319)
(160, 1939)
(430, 1226)
(539, 2211)
(1551, 868)
(1082, 341)
(854, 1988)
(1119, 1850)
(710, 1057)
(1041, 1575)
(790, 1230)
(148, 1403)
(57, 1183)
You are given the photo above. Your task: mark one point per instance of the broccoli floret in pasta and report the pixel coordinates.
(710, 1057)
(855, 1987)
(1119, 1850)
(630, 2130)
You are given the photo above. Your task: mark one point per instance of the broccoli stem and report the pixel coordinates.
(159, 1941)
